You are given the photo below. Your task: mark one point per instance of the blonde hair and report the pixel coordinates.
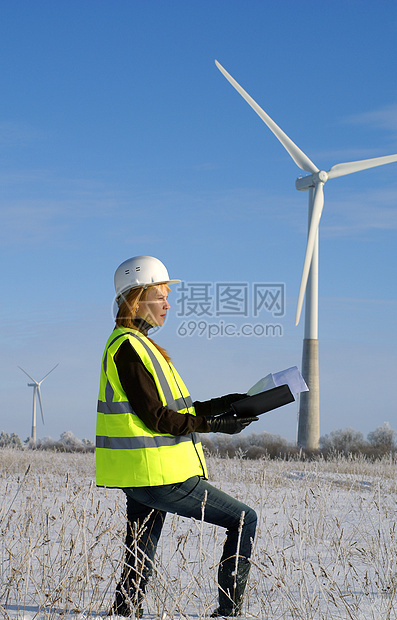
(128, 306)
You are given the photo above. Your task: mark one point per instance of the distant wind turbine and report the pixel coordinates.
(309, 415)
(36, 394)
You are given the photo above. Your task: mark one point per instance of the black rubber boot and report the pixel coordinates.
(128, 600)
(231, 589)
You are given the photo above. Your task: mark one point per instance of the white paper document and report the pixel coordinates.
(291, 376)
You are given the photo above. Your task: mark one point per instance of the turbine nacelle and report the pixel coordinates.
(304, 183)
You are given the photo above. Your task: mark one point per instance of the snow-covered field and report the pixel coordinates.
(326, 544)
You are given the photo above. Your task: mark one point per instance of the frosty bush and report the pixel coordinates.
(253, 446)
(346, 441)
(379, 442)
(66, 443)
(383, 439)
(10, 441)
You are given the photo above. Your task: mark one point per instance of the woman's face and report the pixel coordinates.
(154, 308)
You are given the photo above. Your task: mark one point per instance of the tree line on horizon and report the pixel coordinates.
(345, 442)
(381, 441)
(66, 443)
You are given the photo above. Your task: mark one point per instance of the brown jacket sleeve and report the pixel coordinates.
(141, 391)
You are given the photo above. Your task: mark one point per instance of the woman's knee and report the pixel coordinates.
(250, 516)
(250, 521)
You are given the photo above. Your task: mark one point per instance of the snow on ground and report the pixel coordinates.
(325, 548)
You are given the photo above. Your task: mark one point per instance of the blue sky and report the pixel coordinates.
(119, 137)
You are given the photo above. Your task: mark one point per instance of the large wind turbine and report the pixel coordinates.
(309, 416)
(36, 393)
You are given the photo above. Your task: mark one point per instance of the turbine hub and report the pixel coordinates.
(304, 183)
(322, 176)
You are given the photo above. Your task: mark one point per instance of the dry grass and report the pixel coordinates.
(326, 545)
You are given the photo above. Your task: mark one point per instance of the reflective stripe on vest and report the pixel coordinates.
(125, 407)
(134, 443)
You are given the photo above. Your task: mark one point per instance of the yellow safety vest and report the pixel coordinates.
(128, 453)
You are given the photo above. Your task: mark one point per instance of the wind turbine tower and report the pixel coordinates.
(36, 394)
(309, 410)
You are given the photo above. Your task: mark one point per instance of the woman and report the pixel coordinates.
(147, 443)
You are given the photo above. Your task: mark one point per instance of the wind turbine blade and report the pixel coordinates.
(48, 373)
(318, 203)
(355, 166)
(41, 404)
(28, 375)
(297, 155)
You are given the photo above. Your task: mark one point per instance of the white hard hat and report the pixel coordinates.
(140, 271)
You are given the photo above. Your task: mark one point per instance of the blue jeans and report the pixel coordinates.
(146, 511)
